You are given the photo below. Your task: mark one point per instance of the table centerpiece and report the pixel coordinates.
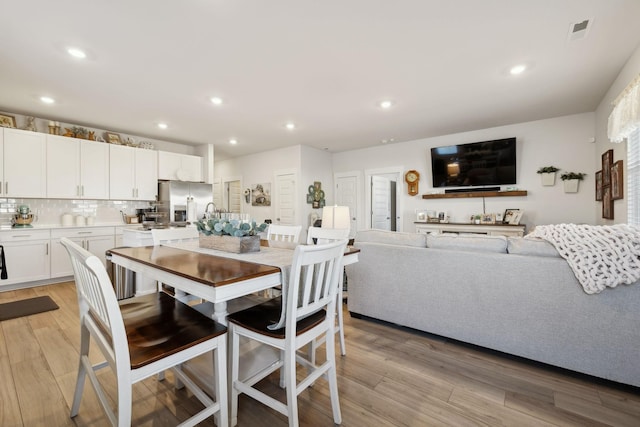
(229, 235)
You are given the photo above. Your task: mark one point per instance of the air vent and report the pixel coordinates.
(579, 30)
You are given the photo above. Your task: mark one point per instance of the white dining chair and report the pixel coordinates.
(306, 312)
(284, 233)
(320, 236)
(139, 338)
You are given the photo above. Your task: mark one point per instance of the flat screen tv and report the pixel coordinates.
(476, 164)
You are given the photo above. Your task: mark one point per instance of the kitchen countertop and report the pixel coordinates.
(38, 226)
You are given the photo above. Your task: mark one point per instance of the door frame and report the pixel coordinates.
(224, 182)
(392, 170)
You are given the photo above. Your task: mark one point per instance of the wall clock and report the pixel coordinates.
(412, 177)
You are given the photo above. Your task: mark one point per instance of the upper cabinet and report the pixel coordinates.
(77, 168)
(23, 164)
(133, 173)
(182, 167)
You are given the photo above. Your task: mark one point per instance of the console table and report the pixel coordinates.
(452, 227)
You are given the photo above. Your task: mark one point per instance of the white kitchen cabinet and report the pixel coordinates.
(133, 173)
(24, 164)
(26, 254)
(182, 167)
(77, 168)
(96, 240)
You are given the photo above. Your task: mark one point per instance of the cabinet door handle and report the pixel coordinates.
(21, 236)
(87, 248)
(46, 252)
(85, 232)
(82, 190)
(6, 187)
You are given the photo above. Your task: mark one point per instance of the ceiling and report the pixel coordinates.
(323, 65)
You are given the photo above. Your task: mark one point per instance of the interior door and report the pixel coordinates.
(347, 195)
(234, 197)
(380, 203)
(285, 205)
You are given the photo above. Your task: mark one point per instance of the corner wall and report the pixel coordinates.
(628, 73)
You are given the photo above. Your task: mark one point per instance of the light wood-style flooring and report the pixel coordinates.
(390, 377)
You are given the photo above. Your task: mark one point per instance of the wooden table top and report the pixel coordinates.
(204, 268)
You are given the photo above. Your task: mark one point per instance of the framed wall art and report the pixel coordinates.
(607, 162)
(617, 184)
(598, 186)
(607, 202)
(261, 194)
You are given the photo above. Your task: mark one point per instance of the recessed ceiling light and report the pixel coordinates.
(518, 69)
(290, 126)
(163, 125)
(76, 53)
(233, 141)
(47, 99)
(216, 100)
(385, 104)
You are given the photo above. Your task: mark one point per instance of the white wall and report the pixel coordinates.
(563, 142)
(628, 73)
(315, 165)
(258, 169)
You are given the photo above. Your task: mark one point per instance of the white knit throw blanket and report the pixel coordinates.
(600, 255)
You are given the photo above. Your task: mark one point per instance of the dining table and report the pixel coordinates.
(217, 277)
(213, 275)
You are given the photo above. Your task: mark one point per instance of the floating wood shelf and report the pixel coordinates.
(475, 194)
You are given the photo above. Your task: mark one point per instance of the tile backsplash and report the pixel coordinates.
(50, 211)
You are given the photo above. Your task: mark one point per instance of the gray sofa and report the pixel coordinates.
(514, 295)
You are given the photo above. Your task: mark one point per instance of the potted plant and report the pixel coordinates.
(548, 175)
(571, 180)
(230, 235)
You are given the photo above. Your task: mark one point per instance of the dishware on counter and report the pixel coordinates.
(91, 220)
(67, 220)
(80, 221)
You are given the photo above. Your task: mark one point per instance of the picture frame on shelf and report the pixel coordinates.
(599, 186)
(488, 219)
(516, 217)
(617, 183)
(607, 162)
(7, 121)
(113, 138)
(508, 215)
(421, 216)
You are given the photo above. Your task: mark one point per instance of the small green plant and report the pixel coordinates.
(229, 227)
(548, 169)
(572, 175)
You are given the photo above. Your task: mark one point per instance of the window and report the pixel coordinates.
(633, 178)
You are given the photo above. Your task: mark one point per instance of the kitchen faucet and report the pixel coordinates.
(207, 215)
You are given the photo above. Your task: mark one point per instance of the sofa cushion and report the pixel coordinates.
(468, 242)
(391, 238)
(531, 246)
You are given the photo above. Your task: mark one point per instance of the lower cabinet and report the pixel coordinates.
(96, 240)
(26, 255)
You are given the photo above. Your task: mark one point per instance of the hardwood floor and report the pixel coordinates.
(390, 377)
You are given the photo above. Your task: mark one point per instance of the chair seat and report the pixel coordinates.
(259, 317)
(158, 325)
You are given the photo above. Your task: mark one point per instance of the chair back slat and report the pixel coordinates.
(284, 233)
(313, 281)
(326, 235)
(99, 309)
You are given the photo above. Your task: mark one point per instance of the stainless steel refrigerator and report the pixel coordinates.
(174, 198)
